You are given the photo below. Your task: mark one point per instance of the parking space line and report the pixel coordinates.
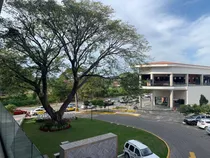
(192, 155)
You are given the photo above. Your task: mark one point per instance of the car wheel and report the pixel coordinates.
(126, 155)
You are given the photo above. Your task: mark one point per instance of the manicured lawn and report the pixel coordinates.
(48, 142)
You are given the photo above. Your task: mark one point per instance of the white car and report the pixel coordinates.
(203, 123)
(208, 130)
(136, 149)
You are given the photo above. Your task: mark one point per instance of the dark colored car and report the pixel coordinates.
(109, 102)
(19, 112)
(192, 120)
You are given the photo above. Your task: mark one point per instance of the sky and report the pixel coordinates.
(177, 30)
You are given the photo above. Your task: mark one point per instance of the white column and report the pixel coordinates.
(201, 79)
(140, 85)
(171, 79)
(152, 99)
(186, 79)
(140, 101)
(152, 78)
(171, 99)
(186, 99)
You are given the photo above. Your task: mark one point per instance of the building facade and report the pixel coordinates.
(175, 83)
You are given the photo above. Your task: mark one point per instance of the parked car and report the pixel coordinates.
(90, 107)
(147, 96)
(19, 112)
(109, 102)
(71, 107)
(41, 107)
(193, 120)
(83, 107)
(38, 111)
(136, 149)
(203, 123)
(128, 100)
(208, 130)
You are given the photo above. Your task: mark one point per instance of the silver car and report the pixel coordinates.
(135, 149)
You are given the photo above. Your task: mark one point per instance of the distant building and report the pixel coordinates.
(169, 82)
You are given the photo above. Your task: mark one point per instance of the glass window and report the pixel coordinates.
(208, 117)
(137, 152)
(131, 148)
(126, 145)
(197, 118)
(203, 117)
(146, 152)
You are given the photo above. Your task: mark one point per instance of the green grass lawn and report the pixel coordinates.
(48, 142)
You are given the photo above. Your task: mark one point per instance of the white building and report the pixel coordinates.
(171, 82)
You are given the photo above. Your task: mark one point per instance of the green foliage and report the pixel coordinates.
(196, 109)
(19, 100)
(130, 83)
(86, 128)
(60, 88)
(10, 107)
(53, 99)
(97, 102)
(93, 88)
(71, 35)
(203, 100)
(86, 102)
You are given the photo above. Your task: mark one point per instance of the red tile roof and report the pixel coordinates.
(162, 62)
(174, 63)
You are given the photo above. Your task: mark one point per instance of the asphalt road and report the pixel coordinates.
(181, 139)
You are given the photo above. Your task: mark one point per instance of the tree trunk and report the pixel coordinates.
(68, 99)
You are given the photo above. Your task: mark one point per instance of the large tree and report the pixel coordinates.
(82, 33)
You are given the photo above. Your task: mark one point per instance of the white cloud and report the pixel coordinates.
(171, 36)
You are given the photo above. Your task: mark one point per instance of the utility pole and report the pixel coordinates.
(76, 102)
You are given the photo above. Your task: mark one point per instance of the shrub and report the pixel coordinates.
(19, 100)
(50, 126)
(10, 107)
(196, 109)
(203, 100)
(186, 109)
(97, 102)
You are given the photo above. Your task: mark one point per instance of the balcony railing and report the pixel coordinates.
(14, 141)
(175, 84)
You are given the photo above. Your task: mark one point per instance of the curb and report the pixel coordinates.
(128, 114)
(169, 151)
(115, 113)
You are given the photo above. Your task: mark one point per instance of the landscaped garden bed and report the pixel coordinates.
(50, 126)
(48, 142)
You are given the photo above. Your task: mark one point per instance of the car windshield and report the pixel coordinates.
(146, 152)
(193, 116)
(71, 105)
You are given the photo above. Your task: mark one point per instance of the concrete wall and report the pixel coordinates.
(103, 146)
(195, 92)
(161, 93)
(180, 95)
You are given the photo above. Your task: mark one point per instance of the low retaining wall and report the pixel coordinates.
(102, 146)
